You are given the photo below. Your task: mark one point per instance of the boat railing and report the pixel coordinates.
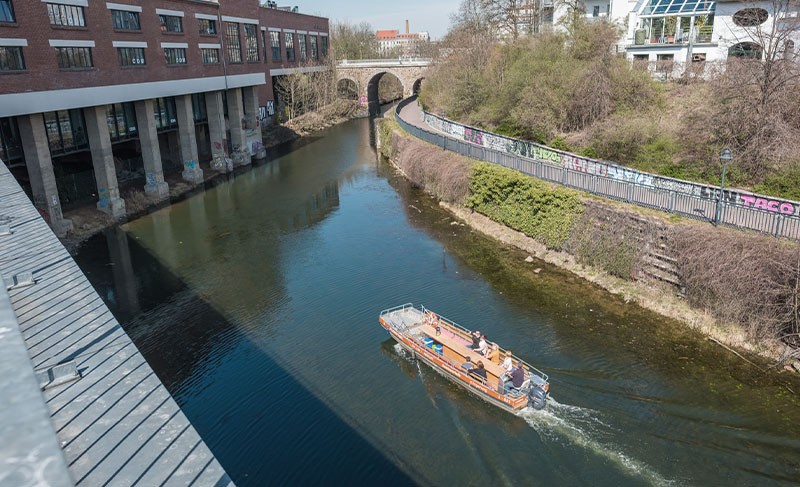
(466, 334)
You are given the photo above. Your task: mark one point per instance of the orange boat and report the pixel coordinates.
(447, 347)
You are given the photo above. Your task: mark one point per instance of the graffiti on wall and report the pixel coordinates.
(608, 170)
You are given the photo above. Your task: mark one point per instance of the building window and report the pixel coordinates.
(171, 23)
(7, 11)
(251, 38)
(596, 11)
(65, 15)
(207, 27)
(124, 20)
(175, 55)
(131, 56)
(324, 44)
(199, 107)
(121, 121)
(65, 131)
(165, 113)
(232, 42)
(289, 38)
(11, 59)
(301, 42)
(74, 57)
(314, 52)
(210, 56)
(275, 44)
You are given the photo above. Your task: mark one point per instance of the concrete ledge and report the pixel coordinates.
(29, 449)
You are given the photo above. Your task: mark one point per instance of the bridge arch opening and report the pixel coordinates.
(347, 89)
(383, 87)
(417, 86)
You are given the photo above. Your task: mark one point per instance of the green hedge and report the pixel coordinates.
(525, 204)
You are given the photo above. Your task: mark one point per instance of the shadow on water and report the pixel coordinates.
(174, 328)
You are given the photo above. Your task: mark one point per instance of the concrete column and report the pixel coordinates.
(105, 172)
(216, 129)
(188, 141)
(254, 138)
(155, 186)
(40, 171)
(238, 134)
(251, 107)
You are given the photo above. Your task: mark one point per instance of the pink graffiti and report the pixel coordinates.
(217, 145)
(784, 207)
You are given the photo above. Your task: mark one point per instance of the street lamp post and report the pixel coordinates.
(725, 158)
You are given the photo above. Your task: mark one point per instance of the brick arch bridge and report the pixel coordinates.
(366, 73)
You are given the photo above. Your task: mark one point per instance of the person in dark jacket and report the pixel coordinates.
(515, 378)
(479, 371)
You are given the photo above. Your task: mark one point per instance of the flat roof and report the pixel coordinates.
(116, 424)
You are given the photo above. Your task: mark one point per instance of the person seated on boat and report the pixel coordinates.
(476, 339)
(494, 354)
(479, 371)
(468, 364)
(517, 377)
(508, 364)
(483, 347)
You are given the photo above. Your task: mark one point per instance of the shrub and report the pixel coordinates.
(524, 203)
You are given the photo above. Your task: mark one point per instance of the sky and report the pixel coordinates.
(432, 16)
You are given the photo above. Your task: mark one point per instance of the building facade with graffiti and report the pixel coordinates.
(99, 96)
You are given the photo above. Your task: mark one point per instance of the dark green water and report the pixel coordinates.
(256, 303)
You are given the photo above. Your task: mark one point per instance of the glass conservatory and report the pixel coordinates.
(675, 22)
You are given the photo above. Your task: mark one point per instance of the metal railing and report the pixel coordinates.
(737, 208)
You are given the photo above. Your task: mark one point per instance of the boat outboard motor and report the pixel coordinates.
(537, 397)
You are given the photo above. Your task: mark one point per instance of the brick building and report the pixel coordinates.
(95, 95)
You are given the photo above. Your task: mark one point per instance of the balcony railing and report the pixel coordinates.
(679, 37)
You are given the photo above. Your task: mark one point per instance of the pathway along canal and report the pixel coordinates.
(256, 302)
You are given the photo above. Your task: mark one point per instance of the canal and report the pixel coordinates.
(256, 302)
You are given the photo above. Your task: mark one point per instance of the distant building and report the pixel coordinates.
(406, 44)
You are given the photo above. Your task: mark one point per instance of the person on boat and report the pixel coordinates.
(483, 347)
(508, 364)
(468, 364)
(517, 377)
(476, 339)
(494, 353)
(479, 371)
(435, 323)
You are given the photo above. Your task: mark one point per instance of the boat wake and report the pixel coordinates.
(581, 427)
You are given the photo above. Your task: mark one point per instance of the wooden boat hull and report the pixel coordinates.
(443, 345)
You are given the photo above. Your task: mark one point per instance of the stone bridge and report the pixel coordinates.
(366, 73)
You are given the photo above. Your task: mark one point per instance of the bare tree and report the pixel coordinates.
(309, 88)
(353, 41)
(760, 84)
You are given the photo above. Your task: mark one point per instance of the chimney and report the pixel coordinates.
(406, 26)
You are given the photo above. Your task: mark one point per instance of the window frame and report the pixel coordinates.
(71, 53)
(164, 20)
(288, 41)
(313, 40)
(206, 50)
(251, 43)
(124, 24)
(233, 49)
(20, 57)
(211, 27)
(130, 50)
(302, 46)
(9, 7)
(174, 55)
(275, 47)
(65, 12)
